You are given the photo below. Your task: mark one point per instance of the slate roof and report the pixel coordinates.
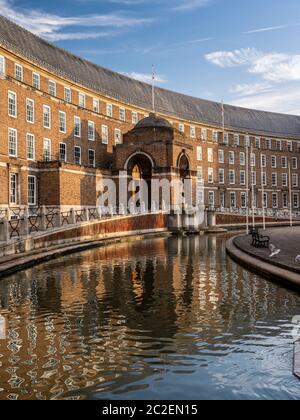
(109, 83)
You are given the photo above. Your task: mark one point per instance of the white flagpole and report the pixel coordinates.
(290, 193)
(263, 193)
(252, 183)
(247, 183)
(153, 89)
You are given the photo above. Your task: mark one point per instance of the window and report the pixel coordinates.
(263, 162)
(203, 134)
(253, 159)
(47, 116)
(274, 179)
(193, 132)
(134, 118)
(96, 105)
(30, 111)
(68, 94)
(210, 155)
(294, 163)
(52, 88)
(62, 122)
(284, 162)
(77, 127)
(253, 178)
(118, 136)
(233, 200)
(232, 177)
(295, 180)
(81, 100)
(2, 66)
(242, 177)
(222, 199)
(181, 128)
(296, 201)
(215, 136)
(32, 190)
(285, 200)
(231, 158)
(278, 145)
(290, 146)
(77, 155)
(265, 200)
(47, 150)
(257, 142)
(268, 144)
(36, 81)
(122, 114)
(12, 104)
(221, 176)
(274, 162)
(199, 153)
(243, 200)
(225, 138)
(30, 146)
(104, 134)
(210, 175)
(247, 141)
(221, 156)
(109, 110)
(91, 131)
(92, 158)
(242, 159)
(275, 200)
(236, 139)
(211, 199)
(19, 72)
(62, 152)
(13, 183)
(264, 179)
(12, 142)
(199, 172)
(284, 180)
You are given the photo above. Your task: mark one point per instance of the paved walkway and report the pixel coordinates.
(286, 239)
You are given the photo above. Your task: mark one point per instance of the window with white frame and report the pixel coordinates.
(233, 200)
(284, 162)
(264, 179)
(236, 139)
(12, 142)
(77, 155)
(68, 94)
(295, 180)
(265, 200)
(62, 122)
(19, 72)
(210, 175)
(32, 190)
(221, 156)
(199, 153)
(122, 114)
(231, 158)
(243, 200)
(221, 176)
(52, 88)
(30, 146)
(109, 110)
(12, 104)
(104, 134)
(30, 111)
(268, 144)
(285, 200)
(274, 162)
(263, 161)
(242, 159)
(193, 132)
(275, 200)
(222, 199)
(118, 136)
(96, 105)
(199, 172)
(47, 150)
(181, 128)
(253, 160)
(81, 100)
(91, 131)
(232, 177)
(134, 118)
(247, 141)
(284, 180)
(92, 158)
(274, 179)
(294, 163)
(13, 190)
(36, 81)
(257, 142)
(215, 136)
(47, 116)
(77, 127)
(211, 199)
(289, 146)
(253, 178)
(203, 134)
(210, 155)
(225, 138)
(296, 201)
(2, 66)
(242, 177)
(62, 152)
(278, 145)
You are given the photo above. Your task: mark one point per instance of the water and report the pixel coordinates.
(167, 318)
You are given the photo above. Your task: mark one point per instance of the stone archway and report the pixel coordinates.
(140, 167)
(183, 166)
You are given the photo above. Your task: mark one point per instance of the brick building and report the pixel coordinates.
(67, 123)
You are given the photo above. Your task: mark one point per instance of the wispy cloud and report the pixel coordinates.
(50, 26)
(233, 58)
(187, 5)
(271, 28)
(248, 89)
(145, 77)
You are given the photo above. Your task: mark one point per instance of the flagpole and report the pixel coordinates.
(153, 89)
(247, 183)
(290, 193)
(263, 193)
(252, 183)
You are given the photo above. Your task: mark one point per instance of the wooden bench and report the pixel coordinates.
(260, 241)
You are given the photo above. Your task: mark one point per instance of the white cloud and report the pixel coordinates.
(270, 28)
(144, 77)
(232, 58)
(49, 26)
(248, 89)
(187, 5)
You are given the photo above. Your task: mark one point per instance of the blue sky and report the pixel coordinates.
(245, 51)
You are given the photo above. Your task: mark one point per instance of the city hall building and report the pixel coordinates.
(66, 123)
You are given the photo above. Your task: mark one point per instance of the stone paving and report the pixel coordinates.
(286, 239)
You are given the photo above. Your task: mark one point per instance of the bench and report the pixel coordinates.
(260, 241)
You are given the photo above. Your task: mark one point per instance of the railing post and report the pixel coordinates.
(24, 223)
(43, 226)
(4, 231)
(58, 218)
(86, 214)
(72, 217)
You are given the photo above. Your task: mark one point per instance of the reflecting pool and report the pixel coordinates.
(164, 318)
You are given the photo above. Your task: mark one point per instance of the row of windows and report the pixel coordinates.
(242, 158)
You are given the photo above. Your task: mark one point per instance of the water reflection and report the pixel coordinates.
(163, 318)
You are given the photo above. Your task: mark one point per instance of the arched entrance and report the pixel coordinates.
(139, 167)
(184, 166)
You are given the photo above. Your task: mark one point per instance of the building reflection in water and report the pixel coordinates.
(114, 318)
